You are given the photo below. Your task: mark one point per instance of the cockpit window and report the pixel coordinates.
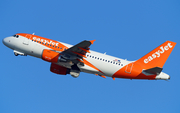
(17, 36)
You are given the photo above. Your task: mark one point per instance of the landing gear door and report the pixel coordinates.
(26, 39)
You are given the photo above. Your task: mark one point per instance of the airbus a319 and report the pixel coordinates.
(69, 59)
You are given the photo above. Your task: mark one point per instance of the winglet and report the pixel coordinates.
(92, 41)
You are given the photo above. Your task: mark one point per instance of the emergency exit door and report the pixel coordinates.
(129, 68)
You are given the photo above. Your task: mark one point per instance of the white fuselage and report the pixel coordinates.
(105, 63)
(147, 67)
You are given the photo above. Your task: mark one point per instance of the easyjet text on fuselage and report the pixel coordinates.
(46, 41)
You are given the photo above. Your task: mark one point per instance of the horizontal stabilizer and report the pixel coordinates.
(153, 71)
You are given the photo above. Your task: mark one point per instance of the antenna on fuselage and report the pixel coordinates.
(33, 33)
(105, 53)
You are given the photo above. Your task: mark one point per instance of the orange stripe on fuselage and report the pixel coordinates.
(52, 44)
(91, 65)
(136, 72)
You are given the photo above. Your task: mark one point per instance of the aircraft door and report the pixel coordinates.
(26, 39)
(129, 68)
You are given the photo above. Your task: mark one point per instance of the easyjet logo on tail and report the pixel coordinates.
(158, 53)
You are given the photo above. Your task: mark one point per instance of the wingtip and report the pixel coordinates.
(92, 41)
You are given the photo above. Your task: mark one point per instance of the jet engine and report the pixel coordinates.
(59, 69)
(55, 57)
(52, 56)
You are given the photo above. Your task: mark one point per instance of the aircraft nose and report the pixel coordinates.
(5, 40)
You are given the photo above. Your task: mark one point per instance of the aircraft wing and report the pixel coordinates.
(77, 51)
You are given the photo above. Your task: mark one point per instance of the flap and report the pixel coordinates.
(79, 50)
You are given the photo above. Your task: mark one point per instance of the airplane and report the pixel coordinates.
(68, 59)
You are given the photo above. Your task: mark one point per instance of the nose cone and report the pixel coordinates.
(5, 41)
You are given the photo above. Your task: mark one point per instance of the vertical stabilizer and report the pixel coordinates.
(158, 56)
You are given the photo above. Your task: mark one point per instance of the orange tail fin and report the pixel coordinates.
(158, 56)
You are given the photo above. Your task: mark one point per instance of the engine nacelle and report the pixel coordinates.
(59, 69)
(50, 56)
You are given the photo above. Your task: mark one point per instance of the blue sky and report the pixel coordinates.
(125, 29)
